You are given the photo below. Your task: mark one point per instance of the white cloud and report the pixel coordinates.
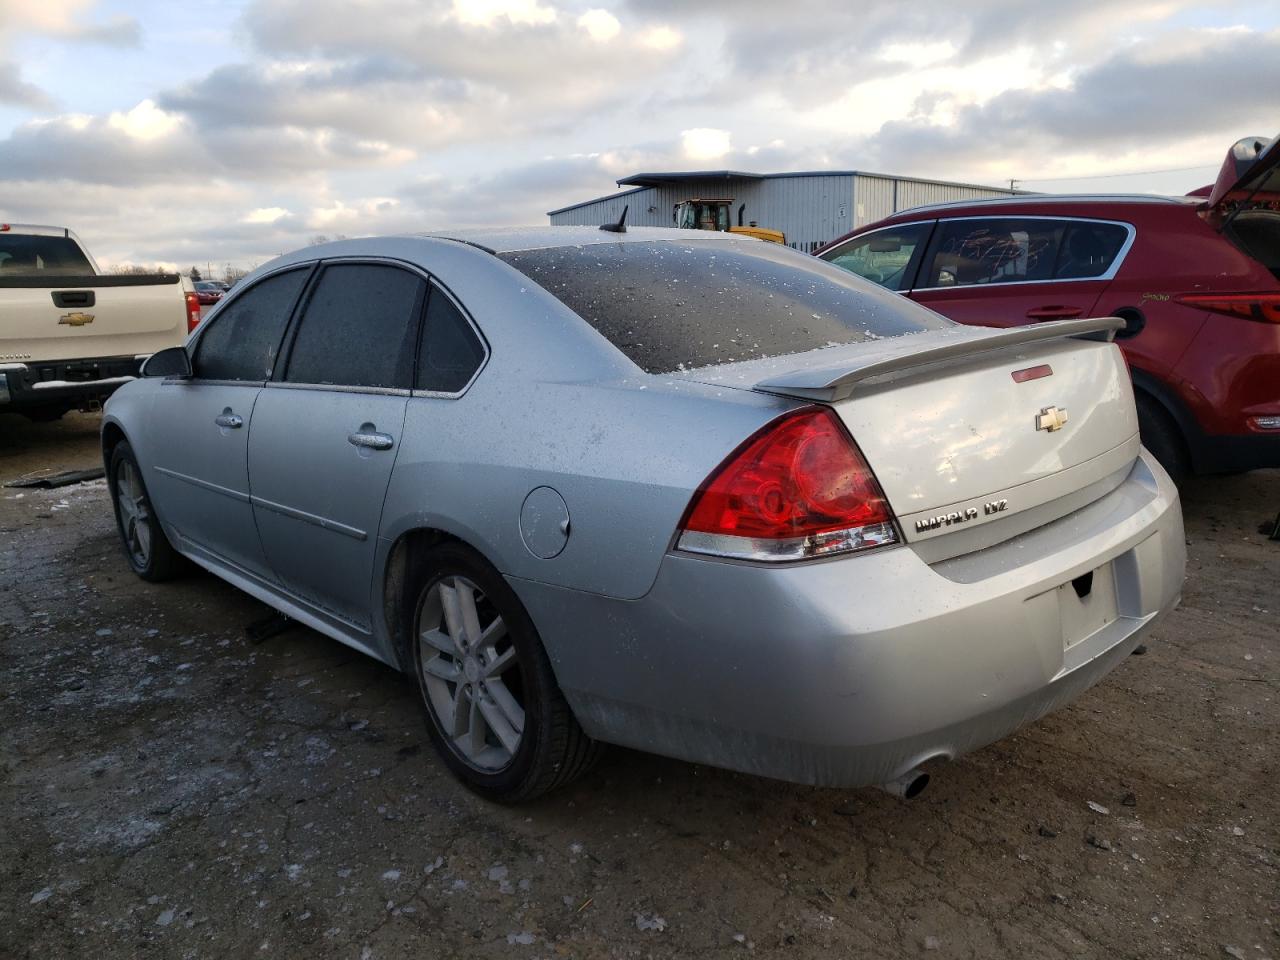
(485, 12)
(705, 143)
(146, 121)
(600, 24)
(661, 38)
(265, 215)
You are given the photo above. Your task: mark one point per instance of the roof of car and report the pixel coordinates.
(511, 239)
(1047, 198)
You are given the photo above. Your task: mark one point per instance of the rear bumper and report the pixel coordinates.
(1235, 454)
(852, 671)
(63, 383)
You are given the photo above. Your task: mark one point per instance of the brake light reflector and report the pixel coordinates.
(193, 312)
(1263, 307)
(798, 488)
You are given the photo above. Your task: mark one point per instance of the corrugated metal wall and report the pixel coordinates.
(810, 210)
(878, 197)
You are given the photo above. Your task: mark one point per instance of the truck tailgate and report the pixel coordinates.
(91, 317)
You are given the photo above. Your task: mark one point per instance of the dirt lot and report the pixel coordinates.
(170, 789)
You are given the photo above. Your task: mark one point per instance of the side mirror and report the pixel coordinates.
(172, 362)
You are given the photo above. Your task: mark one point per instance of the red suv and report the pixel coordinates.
(1197, 280)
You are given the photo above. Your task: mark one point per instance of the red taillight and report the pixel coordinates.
(193, 312)
(1263, 307)
(798, 488)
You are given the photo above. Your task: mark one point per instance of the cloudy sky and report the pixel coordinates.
(197, 131)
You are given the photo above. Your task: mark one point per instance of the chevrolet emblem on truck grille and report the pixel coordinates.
(76, 319)
(1051, 419)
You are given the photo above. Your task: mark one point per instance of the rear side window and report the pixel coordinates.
(882, 257)
(970, 252)
(1017, 250)
(1088, 249)
(675, 305)
(359, 328)
(241, 342)
(450, 352)
(22, 254)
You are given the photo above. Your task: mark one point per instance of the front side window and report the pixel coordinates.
(450, 352)
(882, 257)
(359, 328)
(242, 340)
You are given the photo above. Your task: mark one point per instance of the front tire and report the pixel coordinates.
(149, 552)
(493, 709)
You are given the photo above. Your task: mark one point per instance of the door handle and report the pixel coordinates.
(1053, 313)
(229, 420)
(368, 437)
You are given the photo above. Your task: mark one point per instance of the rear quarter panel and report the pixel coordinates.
(557, 405)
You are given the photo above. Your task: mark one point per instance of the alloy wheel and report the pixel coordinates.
(135, 514)
(470, 674)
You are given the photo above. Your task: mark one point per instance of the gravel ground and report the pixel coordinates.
(169, 789)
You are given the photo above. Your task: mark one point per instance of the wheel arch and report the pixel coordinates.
(112, 436)
(1189, 432)
(402, 568)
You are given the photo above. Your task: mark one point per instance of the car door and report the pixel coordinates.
(200, 426)
(1013, 270)
(326, 433)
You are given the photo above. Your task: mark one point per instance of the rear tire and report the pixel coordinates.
(1160, 435)
(493, 709)
(150, 554)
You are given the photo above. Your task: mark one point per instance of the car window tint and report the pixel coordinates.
(881, 257)
(995, 250)
(22, 253)
(673, 305)
(359, 328)
(1089, 249)
(242, 339)
(450, 350)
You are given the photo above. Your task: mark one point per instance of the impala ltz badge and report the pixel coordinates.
(76, 319)
(1051, 419)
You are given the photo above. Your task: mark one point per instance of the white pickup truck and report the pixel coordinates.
(70, 335)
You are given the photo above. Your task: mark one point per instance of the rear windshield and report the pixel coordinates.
(24, 254)
(675, 305)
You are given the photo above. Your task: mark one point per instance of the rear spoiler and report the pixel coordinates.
(885, 359)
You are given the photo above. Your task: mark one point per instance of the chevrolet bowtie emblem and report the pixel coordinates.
(1051, 419)
(76, 319)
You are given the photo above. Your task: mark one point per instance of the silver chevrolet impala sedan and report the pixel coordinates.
(700, 495)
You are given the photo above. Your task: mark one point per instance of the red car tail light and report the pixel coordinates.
(193, 311)
(798, 488)
(1263, 307)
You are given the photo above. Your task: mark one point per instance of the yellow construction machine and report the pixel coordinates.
(716, 214)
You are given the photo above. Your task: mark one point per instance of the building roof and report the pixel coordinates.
(511, 239)
(643, 181)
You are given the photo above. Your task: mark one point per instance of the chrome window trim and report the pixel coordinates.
(197, 381)
(1110, 273)
(337, 388)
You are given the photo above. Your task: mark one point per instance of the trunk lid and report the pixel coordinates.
(971, 426)
(1250, 175)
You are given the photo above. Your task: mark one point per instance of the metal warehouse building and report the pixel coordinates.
(810, 208)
